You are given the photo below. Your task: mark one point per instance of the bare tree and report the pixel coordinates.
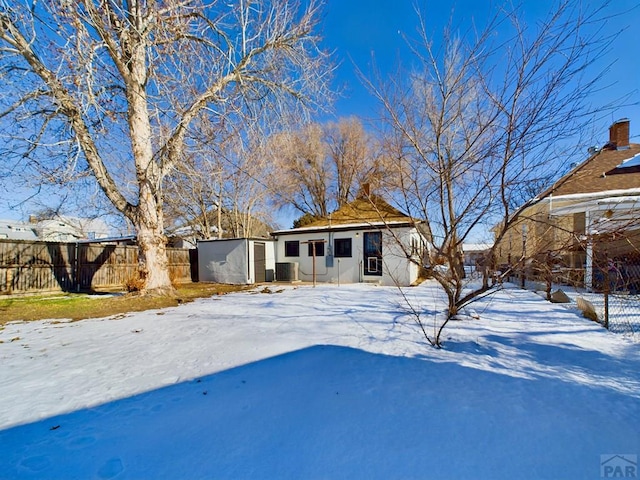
(302, 173)
(193, 189)
(112, 88)
(319, 168)
(250, 208)
(354, 157)
(480, 119)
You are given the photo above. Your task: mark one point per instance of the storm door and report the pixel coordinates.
(372, 253)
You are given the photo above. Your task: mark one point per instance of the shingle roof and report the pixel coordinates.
(599, 173)
(371, 209)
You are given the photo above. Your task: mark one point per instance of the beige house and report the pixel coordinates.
(589, 220)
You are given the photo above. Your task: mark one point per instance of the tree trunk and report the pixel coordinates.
(152, 244)
(149, 219)
(154, 261)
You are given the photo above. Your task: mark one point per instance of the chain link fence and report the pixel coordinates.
(621, 313)
(618, 278)
(612, 291)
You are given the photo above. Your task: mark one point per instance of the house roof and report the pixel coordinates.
(476, 247)
(365, 209)
(13, 230)
(364, 212)
(607, 170)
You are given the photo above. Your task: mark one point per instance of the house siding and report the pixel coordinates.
(537, 232)
(396, 269)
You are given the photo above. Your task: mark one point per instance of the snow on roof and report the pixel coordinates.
(12, 230)
(476, 247)
(631, 162)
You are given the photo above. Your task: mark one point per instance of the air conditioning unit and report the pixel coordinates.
(287, 272)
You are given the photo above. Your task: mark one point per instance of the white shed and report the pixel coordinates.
(236, 260)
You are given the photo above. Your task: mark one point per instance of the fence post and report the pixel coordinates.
(76, 267)
(9, 285)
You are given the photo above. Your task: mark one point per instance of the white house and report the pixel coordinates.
(58, 229)
(14, 230)
(70, 229)
(474, 253)
(366, 240)
(236, 260)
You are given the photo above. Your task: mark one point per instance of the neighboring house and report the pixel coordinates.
(591, 212)
(366, 240)
(70, 229)
(233, 225)
(60, 229)
(12, 230)
(475, 253)
(183, 237)
(236, 260)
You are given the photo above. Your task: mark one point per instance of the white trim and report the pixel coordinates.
(344, 226)
(609, 203)
(602, 194)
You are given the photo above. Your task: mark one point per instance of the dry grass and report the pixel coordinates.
(78, 306)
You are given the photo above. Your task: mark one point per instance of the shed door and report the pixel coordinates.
(259, 262)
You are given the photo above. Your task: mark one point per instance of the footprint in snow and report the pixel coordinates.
(36, 464)
(112, 468)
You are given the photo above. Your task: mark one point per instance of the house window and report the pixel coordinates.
(342, 247)
(292, 248)
(319, 247)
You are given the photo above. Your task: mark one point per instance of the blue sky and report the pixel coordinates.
(358, 29)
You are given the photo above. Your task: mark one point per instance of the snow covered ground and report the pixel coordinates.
(624, 308)
(325, 382)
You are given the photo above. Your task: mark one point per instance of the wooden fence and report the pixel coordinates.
(31, 267)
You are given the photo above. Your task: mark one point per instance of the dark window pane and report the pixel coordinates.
(292, 249)
(319, 246)
(342, 247)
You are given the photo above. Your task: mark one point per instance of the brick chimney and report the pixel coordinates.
(619, 134)
(365, 190)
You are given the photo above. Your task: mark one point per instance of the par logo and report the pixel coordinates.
(619, 466)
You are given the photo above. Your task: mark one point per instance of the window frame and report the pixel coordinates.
(289, 244)
(318, 246)
(337, 251)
